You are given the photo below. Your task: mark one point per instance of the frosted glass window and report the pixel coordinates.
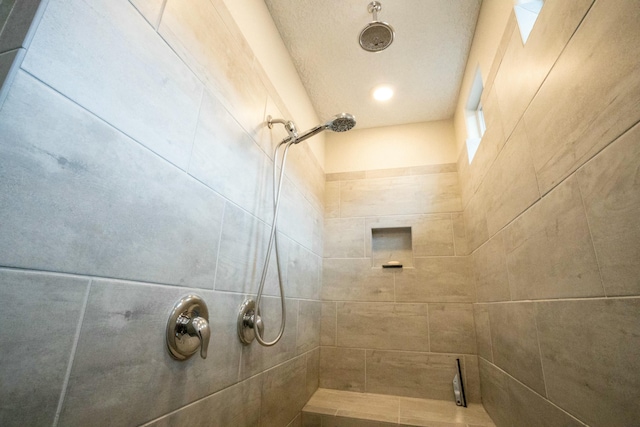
(527, 12)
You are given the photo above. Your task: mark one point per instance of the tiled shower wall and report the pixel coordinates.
(552, 201)
(397, 331)
(134, 169)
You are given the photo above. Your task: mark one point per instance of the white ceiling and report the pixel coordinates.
(424, 64)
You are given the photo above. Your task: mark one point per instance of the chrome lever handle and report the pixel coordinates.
(188, 328)
(200, 327)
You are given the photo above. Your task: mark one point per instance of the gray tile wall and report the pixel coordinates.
(551, 205)
(134, 169)
(397, 331)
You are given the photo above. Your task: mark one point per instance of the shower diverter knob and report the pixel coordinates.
(188, 328)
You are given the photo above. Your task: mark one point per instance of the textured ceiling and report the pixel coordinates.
(424, 64)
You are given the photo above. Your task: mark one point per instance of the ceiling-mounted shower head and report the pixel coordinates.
(376, 36)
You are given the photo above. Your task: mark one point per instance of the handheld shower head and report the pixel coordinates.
(339, 123)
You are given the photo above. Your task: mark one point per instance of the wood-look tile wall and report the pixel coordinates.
(551, 207)
(397, 331)
(135, 169)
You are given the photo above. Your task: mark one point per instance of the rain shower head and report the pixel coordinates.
(376, 36)
(339, 123)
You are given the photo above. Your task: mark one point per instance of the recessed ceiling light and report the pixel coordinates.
(382, 93)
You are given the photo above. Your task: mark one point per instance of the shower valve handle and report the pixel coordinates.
(188, 328)
(199, 327)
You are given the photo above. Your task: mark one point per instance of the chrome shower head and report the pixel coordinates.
(339, 123)
(376, 36)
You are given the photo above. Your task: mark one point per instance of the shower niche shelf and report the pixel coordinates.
(391, 247)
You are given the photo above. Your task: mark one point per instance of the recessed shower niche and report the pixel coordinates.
(390, 246)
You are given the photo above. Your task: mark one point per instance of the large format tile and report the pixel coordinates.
(304, 272)
(490, 268)
(237, 406)
(92, 201)
(215, 50)
(226, 159)
(524, 67)
(328, 323)
(383, 326)
(549, 249)
(475, 219)
(355, 280)
(283, 392)
(109, 60)
(431, 235)
(309, 315)
(451, 328)
(403, 195)
(483, 331)
(495, 394)
(411, 374)
(459, 234)
(590, 96)
(313, 372)
(342, 368)
(16, 17)
(441, 413)
(41, 314)
(243, 247)
(611, 191)
(511, 185)
(436, 279)
(344, 238)
(256, 358)
(332, 199)
(150, 9)
(299, 219)
(591, 358)
(515, 342)
(122, 354)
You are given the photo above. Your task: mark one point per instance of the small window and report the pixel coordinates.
(527, 12)
(474, 115)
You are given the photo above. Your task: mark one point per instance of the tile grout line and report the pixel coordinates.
(544, 379)
(593, 244)
(74, 347)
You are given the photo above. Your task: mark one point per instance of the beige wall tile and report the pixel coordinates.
(591, 358)
(475, 220)
(283, 393)
(459, 234)
(471, 374)
(416, 194)
(303, 271)
(399, 326)
(299, 220)
(342, 368)
(590, 96)
(313, 372)
(611, 192)
(483, 331)
(515, 342)
(529, 409)
(411, 374)
(344, 237)
(524, 68)
(296, 422)
(451, 328)
(308, 334)
(431, 235)
(256, 358)
(150, 9)
(549, 249)
(511, 185)
(490, 270)
(495, 393)
(238, 405)
(110, 62)
(332, 199)
(227, 160)
(219, 56)
(328, 323)
(436, 279)
(355, 280)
